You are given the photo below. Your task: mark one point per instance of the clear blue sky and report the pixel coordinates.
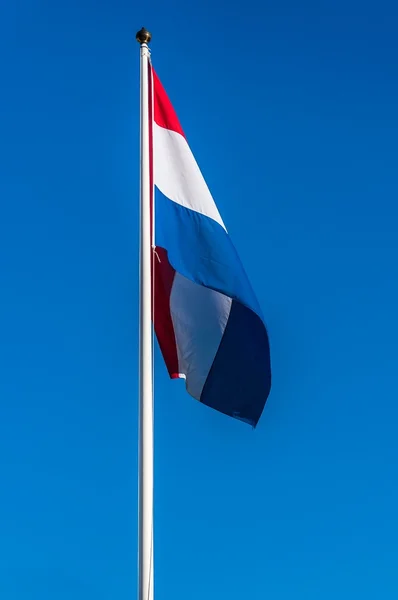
(291, 111)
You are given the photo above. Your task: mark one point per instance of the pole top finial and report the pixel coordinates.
(143, 36)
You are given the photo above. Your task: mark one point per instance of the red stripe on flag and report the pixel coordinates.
(163, 272)
(164, 277)
(165, 115)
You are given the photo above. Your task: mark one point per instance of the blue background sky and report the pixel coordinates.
(291, 111)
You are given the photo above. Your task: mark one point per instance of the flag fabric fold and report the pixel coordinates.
(207, 319)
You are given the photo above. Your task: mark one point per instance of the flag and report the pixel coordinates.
(207, 319)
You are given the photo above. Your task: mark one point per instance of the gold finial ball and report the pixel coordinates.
(143, 36)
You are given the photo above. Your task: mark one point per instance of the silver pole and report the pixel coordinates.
(145, 549)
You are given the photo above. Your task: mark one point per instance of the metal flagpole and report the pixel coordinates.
(145, 546)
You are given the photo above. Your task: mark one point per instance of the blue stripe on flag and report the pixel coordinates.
(201, 250)
(240, 378)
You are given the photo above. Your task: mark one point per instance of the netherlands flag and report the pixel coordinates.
(207, 319)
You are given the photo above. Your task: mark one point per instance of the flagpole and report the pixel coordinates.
(145, 473)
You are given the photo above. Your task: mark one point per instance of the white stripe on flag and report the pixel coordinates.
(199, 317)
(178, 176)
